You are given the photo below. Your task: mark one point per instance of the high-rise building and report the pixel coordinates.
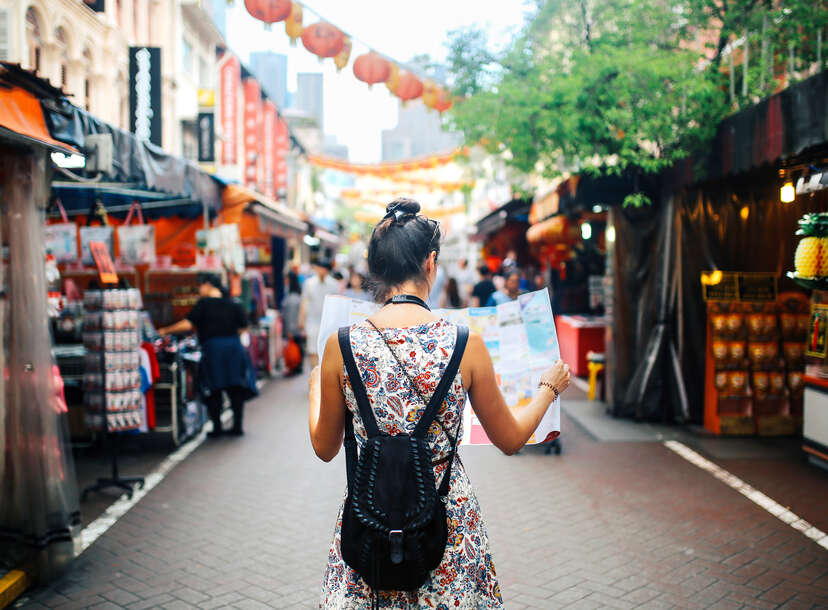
(418, 132)
(271, 71)
(309, 95)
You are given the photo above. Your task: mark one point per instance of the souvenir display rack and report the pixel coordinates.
(112, 380)
(755, 365)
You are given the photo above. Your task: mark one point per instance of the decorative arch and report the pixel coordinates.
(63, 50)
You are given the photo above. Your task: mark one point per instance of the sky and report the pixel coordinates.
(397, 28)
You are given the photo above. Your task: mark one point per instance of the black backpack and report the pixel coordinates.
(394, 527)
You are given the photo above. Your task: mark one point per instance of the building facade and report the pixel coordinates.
(418, 132)
(309, 96)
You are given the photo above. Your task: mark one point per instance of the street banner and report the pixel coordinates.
(229, 83)
(269, 119)
(252, 140)
(206, 137)
(280, 168)
(520, 336)
(145, 93)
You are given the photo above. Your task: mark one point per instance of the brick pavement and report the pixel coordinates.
(246, 523)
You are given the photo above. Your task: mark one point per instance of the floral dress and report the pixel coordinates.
(465, 579)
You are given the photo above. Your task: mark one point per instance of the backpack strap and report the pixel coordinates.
(445, 383)
(357, 386)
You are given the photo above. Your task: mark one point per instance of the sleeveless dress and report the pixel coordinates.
(465, 579)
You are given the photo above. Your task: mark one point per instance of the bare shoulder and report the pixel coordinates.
(332, 348)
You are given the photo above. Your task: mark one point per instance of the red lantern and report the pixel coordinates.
(372, 68)
(323, 39)
(409, 87)
(443, 101)
(269, 11)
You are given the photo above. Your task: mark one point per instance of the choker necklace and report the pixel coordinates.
(407, 298)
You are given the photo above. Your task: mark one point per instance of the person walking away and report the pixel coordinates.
(356, 288)
(314, 291)
(290, 316)
(395, 361)
(510, 291)
(466, 279)
(225, 366)
(451, 297)
(483, 290)
(437, 287)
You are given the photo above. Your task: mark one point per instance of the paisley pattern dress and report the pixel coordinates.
(465, 579)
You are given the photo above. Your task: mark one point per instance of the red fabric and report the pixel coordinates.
(292, 355)
(156, 375)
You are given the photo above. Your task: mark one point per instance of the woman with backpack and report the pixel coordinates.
(410, 532)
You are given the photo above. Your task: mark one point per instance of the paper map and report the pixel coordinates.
(520, 336)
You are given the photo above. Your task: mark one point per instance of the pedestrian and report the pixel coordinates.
(466, 279)
(451, 296)
(397, 357)
(314, 291)
(355, 289)
(291, 305)
(225, 366)
(510, 291)
(437, 287)
(484, 288)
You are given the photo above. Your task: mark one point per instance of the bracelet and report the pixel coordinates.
(551, 387)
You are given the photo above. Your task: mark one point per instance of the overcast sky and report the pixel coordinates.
(398, 28)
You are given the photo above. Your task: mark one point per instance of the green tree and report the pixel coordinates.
(611, 86)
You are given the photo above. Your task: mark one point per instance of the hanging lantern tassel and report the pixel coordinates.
(341, 60)
(293, 24)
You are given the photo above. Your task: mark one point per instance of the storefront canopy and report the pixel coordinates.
(516, 209)
(21, 117)
(135, 163)
(275, 218)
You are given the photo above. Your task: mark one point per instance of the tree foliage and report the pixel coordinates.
(609, 86)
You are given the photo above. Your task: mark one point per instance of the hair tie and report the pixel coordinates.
(397, 214)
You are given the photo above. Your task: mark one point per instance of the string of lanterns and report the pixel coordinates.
(388, 169)
(328, 41)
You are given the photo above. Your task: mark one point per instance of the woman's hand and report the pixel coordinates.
(558, 377)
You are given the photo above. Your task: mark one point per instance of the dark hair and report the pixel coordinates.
(293, 282)
(400, 244)
(214, 280)
(484, 270)
(453, 293)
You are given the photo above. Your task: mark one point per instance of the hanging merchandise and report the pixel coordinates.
(409, 87)
(269, 11)
(341, 59)
(293, 24)
(323, 39)
(61, 239)
(89, 234)
(136, 243)
(372, 68)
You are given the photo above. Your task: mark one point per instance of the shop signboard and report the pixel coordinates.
(229, 82)
(145, 93)
(252, 140)
(280, 165)
(269, 148)
(734, 286)
(206, 137)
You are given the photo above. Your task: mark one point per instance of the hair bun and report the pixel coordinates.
(402, 205)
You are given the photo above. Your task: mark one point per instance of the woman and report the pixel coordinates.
(356, 289)
(402, 258)
(225, 365)
(451, 297)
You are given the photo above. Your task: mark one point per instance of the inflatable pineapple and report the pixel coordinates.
(811, 258)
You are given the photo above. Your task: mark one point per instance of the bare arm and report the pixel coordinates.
(326, 419)
(508, 430)
(182, 326)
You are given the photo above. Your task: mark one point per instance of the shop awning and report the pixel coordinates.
(135, 161)
(275, 217)
(21, 119)
(555, 230)
(516, 209)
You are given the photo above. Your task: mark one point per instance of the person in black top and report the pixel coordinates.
(225, 365)
(484, 288)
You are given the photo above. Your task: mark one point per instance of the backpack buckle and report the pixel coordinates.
(395, 541)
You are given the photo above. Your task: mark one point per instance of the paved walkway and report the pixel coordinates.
(246, 523)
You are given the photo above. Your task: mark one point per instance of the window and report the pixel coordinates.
(87, 80)
(63, 53)
(34, 39)
(186, 57)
